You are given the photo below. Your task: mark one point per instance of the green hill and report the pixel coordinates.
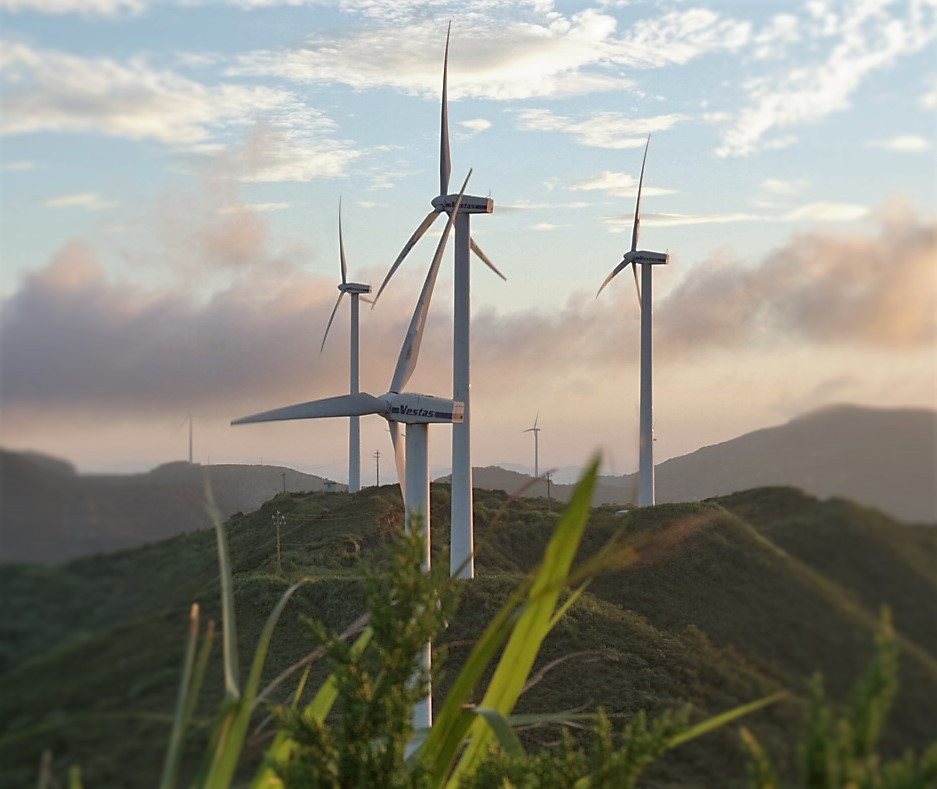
(735, 598)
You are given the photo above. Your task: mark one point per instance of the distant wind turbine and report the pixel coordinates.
(461, 551)
(356, 289)
(646, 259)
(536, 431)
(398, 407)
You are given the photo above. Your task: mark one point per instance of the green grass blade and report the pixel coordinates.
(318, 708)
(717, 721)
(533, 624)
(502, 731)
(228, 625)
(199, 673)
(173, 752)
(230, 743)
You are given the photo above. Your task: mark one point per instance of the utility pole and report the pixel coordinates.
(549, 500)
(277, 519)
(377, 464)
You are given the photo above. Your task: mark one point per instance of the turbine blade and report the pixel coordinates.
(341, 244)
(365, 298)
(637, 286)
(343, 405)
(536, 419)
(484, 258)
(410, 351)
(331, 318)
(637, 206)
(417, 235)
(612, 276)
(444, 162)
(400, 457)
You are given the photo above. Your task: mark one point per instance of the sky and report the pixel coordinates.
(172, 170)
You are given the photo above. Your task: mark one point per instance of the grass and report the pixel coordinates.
(103, 667)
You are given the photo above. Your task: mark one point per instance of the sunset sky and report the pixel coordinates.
(171, 173)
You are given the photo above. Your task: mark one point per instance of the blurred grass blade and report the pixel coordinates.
(228, 625)
(318, 708)
(568, 603)
(173, 752)
(533, 624)
(717, 721)
(234, 724)
(502, 730)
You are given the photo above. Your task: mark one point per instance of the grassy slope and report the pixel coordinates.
(715, 616)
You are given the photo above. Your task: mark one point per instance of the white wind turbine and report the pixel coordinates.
(536, 431)
(461, 562)
(356, 290)
(646, 260)
(417, 411)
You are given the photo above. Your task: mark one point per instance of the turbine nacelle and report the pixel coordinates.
(640, 257)
(412, 408)
(354, 287)
(470, 204)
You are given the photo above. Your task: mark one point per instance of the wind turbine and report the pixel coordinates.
(356, 289)
(461, 546)
(417, 411)
(646, 260)
(536, 431)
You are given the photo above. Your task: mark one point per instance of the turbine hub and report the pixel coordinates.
(354, 287)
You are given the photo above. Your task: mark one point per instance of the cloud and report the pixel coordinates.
(819, 288)
(903, 143)
(90, 201)
(781, 187)
(18, 167)
(84, 7)
(867, 39)
(813, 212)
(618, 184)
(602, 129)
(678, 37)
(476, 125)
(53, 91)
(928, 98)
(827, 212)
(496, 60)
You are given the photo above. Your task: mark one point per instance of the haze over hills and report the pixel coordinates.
(883, 458)
(49, 513)
(732, 599)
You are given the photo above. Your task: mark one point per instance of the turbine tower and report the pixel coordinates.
(647, 260)
(461, 545)
(417, 411)
(356, 290)
(536, 431)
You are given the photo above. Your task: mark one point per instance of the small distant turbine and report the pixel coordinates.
(536, 431)
(646, 260)
(417, 411)
(357, 290)
(462, 539)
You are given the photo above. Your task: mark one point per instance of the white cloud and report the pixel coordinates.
(778, 186)
(828, 212)
(928, 99)
(54, 91)
(679, 37)
(19, 166)
(773, 41)
(476, 125)
(617, 183)
(867, 39)
(602, 130)
(90, 201)
(508, 60)
(903, 143)
(543, 226)
(83, 7)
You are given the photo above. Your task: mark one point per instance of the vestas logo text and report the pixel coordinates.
(407, 411)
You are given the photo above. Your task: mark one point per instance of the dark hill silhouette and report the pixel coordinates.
(48, 513)
(883, 458)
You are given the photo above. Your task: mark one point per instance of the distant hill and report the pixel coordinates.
(883, 458)
(48, 513)
(741, 595)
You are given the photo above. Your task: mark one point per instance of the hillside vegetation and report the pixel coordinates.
(736, 597)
